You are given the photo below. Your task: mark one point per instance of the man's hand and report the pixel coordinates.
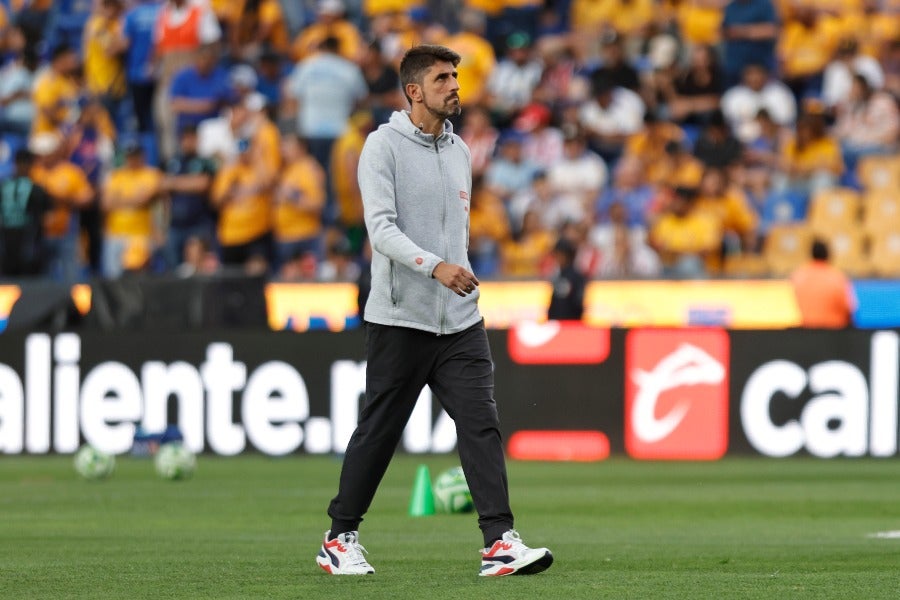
(456, 278)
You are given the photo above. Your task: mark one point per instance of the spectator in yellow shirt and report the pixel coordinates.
(344, 162)
(728, 205)
(330, 21)
(812, 160)
(128, 199)
(103, 45)
(243, 197)
(69, 191)
(528, 254)
(299, 200)
(478, 58)
(55, 92)
(684, 237)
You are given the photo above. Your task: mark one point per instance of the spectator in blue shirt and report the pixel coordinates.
(749, 30)
(140, 22)
(198, 92)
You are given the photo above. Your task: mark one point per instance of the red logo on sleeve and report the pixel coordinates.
(676, 394)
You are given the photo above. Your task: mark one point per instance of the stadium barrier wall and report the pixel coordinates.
(158, 302)
(564, 390)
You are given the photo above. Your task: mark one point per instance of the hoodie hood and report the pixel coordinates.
(400, 121)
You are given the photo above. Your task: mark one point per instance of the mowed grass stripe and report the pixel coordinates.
(249, 527)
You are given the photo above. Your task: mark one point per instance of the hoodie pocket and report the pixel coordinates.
(395, 292)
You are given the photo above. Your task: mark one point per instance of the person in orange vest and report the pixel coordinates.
(824, 295)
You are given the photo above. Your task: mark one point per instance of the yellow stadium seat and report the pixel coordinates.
(879, 172)
(832, 210)
(745, 265)
(787, 246)
(848, 251)
(881, 211)
(885, 253)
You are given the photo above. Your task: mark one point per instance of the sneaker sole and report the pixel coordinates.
(541, 564)
(538, 566)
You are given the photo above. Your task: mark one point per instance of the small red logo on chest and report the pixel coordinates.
(463, 195)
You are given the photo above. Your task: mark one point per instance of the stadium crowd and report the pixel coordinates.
(655, 138)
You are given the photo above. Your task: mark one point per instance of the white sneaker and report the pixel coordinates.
(343, 555)
(509, 556)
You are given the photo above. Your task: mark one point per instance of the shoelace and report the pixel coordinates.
(355, 551)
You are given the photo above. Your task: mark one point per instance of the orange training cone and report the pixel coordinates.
(421, 503)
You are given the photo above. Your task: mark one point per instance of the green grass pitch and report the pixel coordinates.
(250, 527)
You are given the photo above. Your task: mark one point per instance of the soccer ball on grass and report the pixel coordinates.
(174, 461)
(451, 492)
(93, 464)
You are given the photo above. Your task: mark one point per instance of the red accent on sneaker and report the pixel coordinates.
(326, 568)
(498, 545)
(335, 543)
(504, 571)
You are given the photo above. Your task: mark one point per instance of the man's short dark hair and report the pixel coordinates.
(820, 250)
(419, 59)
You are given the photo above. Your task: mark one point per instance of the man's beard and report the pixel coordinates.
(447, 110)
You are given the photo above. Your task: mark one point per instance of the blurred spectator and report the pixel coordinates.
(182, 27)
(138, 32)
(824, 294)
(489, 227)
(806, 43)
(610, 116)
(528, 252)
(198, 258)
(556, 85)
(580, 174)
(242, 79)
(678, 168)
(838, 76)
(321, 94)
(187, 182)
(624, 252)
(890, 62)
(867, 123)
(812, 159)
(553, 208)
(700, 21)
(383, 83)
(241, 193)
(55, 92)
(339, 263)
(344, 182)
(697, 89)
(23, 205)
(764, 151)
(649, 144)
(629, 192)
(614, 64)
(684, 237)
(543, 143)
(259, 25)
(658, 71)
(17, 77)
(69, 190)
(128, 200)
(201, 90)
(757, 91)
(567, 299)
(299, 199)
(717, 146)
(627, 17)
(271, 72)
(749, 31)
(478, 57)
(513, 79)
(331, 22)
(92, 142)
(480, 136)
(727, 204)
(509, 172)
(102, 47)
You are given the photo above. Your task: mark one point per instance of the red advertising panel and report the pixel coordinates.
(676, 394)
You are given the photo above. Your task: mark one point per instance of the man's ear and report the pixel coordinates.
(414, 92)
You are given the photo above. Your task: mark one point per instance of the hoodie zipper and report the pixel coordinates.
(443, 295)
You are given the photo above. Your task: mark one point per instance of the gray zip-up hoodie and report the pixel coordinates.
(415, 192)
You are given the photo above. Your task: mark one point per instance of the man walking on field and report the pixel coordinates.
(422, 320)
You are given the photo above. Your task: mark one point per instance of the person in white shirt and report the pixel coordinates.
(838, 77)
(741, 103)
(613, 114)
